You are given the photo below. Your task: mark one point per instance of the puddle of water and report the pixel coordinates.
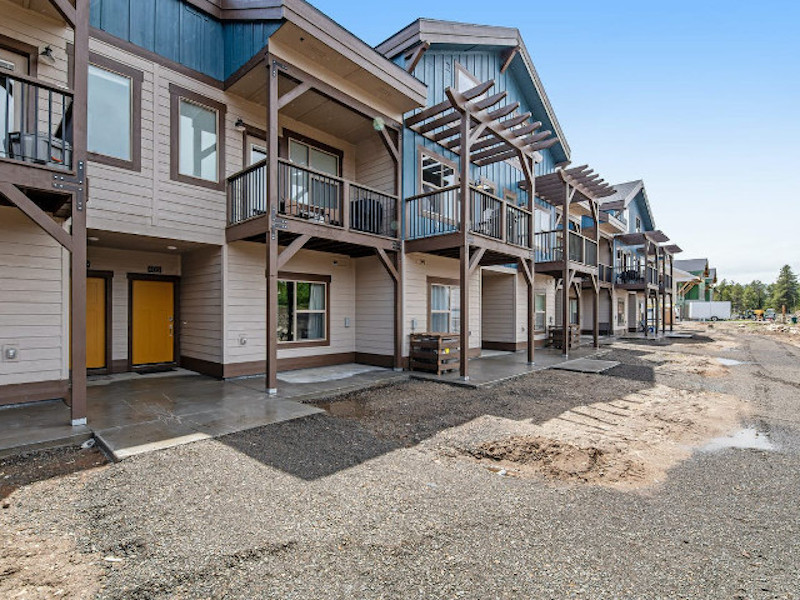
(729, 362)
(747, 438)
(344, 408)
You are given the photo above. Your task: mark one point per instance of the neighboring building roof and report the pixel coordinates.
(470, 35)
(712, 274)
(692, 265)
(626, 193)
(683, 276)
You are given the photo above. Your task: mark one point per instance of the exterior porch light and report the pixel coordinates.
(378, 124)
(46, 56)
(239, 125)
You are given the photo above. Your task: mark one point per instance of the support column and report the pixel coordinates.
(78, 257)
(596, 314)
(671, 288)
(272, 232)
(566, 272)
(464, 248)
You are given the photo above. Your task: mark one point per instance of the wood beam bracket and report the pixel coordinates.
(475, 260)
(508, 57)
(292, 249)
(387, 263)
(526, 271)
(416, 56)
(76, 184)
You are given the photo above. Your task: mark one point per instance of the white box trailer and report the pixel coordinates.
(709, 311)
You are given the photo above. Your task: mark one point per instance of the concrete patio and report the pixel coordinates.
(130, 414)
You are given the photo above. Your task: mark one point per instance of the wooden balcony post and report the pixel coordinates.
(345, 200)
(272, 231)
(466, 204)
(566, 272)
(78, 256)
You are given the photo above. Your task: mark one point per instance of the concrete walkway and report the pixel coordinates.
(497, 367)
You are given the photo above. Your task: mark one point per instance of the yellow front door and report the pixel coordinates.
(95, 323)
(153, 322)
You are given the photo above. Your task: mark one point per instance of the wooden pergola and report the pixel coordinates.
(474, 125)
(566, 188)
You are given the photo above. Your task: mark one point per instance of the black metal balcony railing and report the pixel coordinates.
(549, 247)
(438, 212)
(308, 194)
(637, 275)
(35, 121)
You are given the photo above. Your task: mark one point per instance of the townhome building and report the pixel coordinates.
(177, 151)
(643, 280)
(497, 268)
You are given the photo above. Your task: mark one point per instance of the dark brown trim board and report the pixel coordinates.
(108, 276)
(206, 367)
(326, 279)
(176, 332)
(504, 346)
(136, 77)
(19, 393)
(176, 93)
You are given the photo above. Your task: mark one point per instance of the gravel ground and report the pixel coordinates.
(359, 503)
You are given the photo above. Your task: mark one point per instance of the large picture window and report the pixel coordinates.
(197, 149)
(197, 139)
(109, 122)
(445, 305)
(114, 113)
(302, 311)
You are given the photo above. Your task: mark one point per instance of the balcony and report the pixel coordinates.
(549, 248)
(35, 122)
(637, 277)
(308, 195)
(438, 213)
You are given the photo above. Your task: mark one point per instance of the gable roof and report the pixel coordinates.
(683, 276)
(328, 31)
(626, 193)
(692, 264)
(474, 36)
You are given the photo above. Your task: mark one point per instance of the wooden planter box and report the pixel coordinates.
(555, 336)
(435, 352)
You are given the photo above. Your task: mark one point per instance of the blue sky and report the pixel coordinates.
(700, 99)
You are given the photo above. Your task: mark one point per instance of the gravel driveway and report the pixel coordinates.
(371, 501)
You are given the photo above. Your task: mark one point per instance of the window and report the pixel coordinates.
(257, 153)
(573, 311)
(109, 120)
(114, 113)
(307, 155)
(197, 127)
(638, 224)
(197, 148)
(620, 312)
(445, 302)
(435, 174)
(302, 311)
(541, 220)
(464, 80)
(540, 310)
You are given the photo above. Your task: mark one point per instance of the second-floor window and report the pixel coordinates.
(198, 141)
(110, 114)
(638, 224)
(435, 174)
(541, 220)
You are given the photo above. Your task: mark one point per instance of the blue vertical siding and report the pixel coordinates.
(181, 33)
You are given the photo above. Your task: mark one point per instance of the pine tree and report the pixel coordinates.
(786, 291)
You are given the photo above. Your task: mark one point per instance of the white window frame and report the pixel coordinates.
(294, 311)
(453, 291)
(542, 312)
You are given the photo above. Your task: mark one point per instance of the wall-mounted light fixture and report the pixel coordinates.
(46, 56)
(239, 125)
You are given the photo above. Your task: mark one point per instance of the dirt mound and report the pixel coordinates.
(561, 461)
(629, 442)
